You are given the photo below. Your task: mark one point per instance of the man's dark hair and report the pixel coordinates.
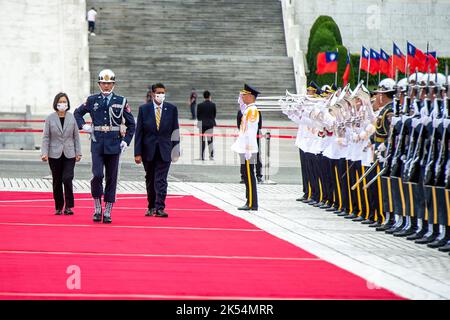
(157, 86)
(57, 97)
(206, 94)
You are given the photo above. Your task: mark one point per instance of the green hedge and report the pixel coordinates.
(323, 40)
(325, 22)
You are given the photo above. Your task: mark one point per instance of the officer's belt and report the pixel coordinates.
(106, 128)
(379, 139)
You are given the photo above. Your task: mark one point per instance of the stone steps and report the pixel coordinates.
(209, 45)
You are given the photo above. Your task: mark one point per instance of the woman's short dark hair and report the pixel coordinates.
(206, 94)
(157, 86)
(57, 97)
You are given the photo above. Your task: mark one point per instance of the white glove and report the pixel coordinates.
(382, 147)
(87, 128)
(123, 146)
(248, 155)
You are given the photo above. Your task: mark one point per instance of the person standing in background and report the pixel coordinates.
(193, 103)
(246, 144)
(61, 148)
(258, 165)
(91, 16)
(206, 117)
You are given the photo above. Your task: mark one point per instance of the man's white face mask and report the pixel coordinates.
(160, 97)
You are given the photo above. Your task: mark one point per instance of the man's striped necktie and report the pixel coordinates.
(158, 117)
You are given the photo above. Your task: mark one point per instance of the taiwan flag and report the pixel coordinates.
(346, 74)
(364, 62)
(374, 65)
(416, 59)
(327, 62)
(398, 60)
(385, 67)
(431, 61)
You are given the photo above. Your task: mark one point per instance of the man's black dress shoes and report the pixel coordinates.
(161, 214)
(247, 208)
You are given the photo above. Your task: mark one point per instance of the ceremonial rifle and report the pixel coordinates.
(443, 145)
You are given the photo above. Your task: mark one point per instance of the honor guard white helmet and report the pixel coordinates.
(386, 85)
(402, 83)
(107, 76)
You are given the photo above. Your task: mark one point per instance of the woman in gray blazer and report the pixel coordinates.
(61, 148)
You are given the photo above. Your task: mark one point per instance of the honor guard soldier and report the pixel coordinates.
(111, 132)
(246, 144)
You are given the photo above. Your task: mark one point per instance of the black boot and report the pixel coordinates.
(422, 229)
(98, 210)
(430, 236)
(409, 229)
(445, 248)
(397, 226)
(388, 222)
(442, 239)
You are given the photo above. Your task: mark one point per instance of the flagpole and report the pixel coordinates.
(392, 61)
(337, 69)
(359, 71)
(406, 60)
(368, 70)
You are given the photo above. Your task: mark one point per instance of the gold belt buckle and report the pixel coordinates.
(106, 129)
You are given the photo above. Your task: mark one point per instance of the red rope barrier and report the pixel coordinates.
(189, 134)
(181, 125)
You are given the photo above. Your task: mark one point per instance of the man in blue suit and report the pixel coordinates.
(156, 144)
(111, 132)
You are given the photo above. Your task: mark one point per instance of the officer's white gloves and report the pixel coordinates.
(382, 147)
(123, 146)
(248, 155)
(87, 128)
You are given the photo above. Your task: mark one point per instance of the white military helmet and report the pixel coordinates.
(107, 76)
(385, 86)
(402, 83)
(412, 77)
(441, 79)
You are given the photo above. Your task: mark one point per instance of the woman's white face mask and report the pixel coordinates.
(61, 106)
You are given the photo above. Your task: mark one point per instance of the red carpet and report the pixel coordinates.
(199, 252)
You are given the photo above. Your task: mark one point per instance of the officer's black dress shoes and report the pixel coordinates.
(161, 214)
(417, 235)
(427, 239)
(375, 224)
(405, 232)
(331, 209)
(367, 221)
(58, 212)
(438, 243)
(351, 216)
(445, 248)
(107, 219)
(358, 219)
(150, 212)
(247, 208)
(97, 217)
(68, 211)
